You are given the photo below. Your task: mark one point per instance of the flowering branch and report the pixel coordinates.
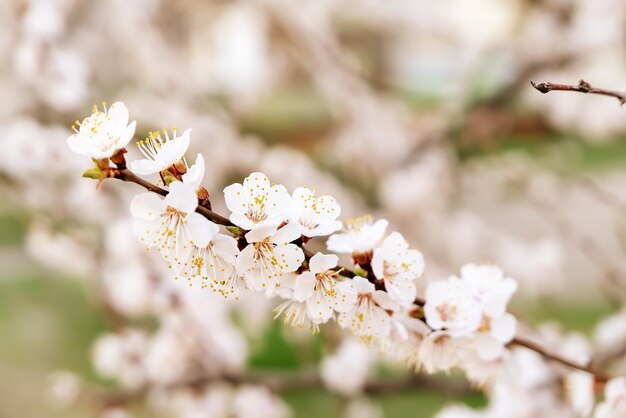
(127, 175)
(462, 321)
(582, 87)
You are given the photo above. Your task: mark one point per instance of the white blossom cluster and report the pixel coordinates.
(464, 321)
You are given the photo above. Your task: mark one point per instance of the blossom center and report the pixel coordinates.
(152, 145)
(447, 312)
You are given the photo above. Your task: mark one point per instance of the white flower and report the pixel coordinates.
(256, 203)
(322, 290)
(492, 336)
(103, 133)
(407, 333)
(614, 405)
(318, 293)
(268, 257)
(214, 264)
(161, 153)
(492, 289)
(369, 319)
(345, 372)
(314, 216)
(399, 267)
(360, 236)
(166, 360)
(116, 356)
(293, 311)
(452, 305)
(171, 224)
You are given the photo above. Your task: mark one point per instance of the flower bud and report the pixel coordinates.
(203, 197)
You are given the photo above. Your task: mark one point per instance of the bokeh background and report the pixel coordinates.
(417, 111)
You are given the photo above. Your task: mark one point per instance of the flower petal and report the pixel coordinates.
(118, 118)
(290, 257)
(504, 327)
(340, 243)
(305, 284)
(225, 247)
(385, 301)
(260, 233)
(257, 184)
(147, 206)
(362, 285)
(195, 174)
(328, 208)
(286, 234)
(172, 151)
(401, 291)
(322, 262)
(236, 198)
(127, 135)
(145, 167)
(201, 230)
(80, 144)
(182, 197)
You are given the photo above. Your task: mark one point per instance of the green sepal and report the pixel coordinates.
(95, 173)
(235, 230)
(168, 177)
(360, 272)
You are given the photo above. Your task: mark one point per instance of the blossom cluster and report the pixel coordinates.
(261, 248)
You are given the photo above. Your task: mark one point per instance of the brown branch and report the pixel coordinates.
(582, 87)
(607, 358)
(522, 342)
(127, 175)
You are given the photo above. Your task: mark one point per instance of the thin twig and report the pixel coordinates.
(582, 87)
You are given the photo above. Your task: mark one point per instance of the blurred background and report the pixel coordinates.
(417, 111)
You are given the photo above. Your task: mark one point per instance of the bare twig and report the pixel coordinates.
(582, 87)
